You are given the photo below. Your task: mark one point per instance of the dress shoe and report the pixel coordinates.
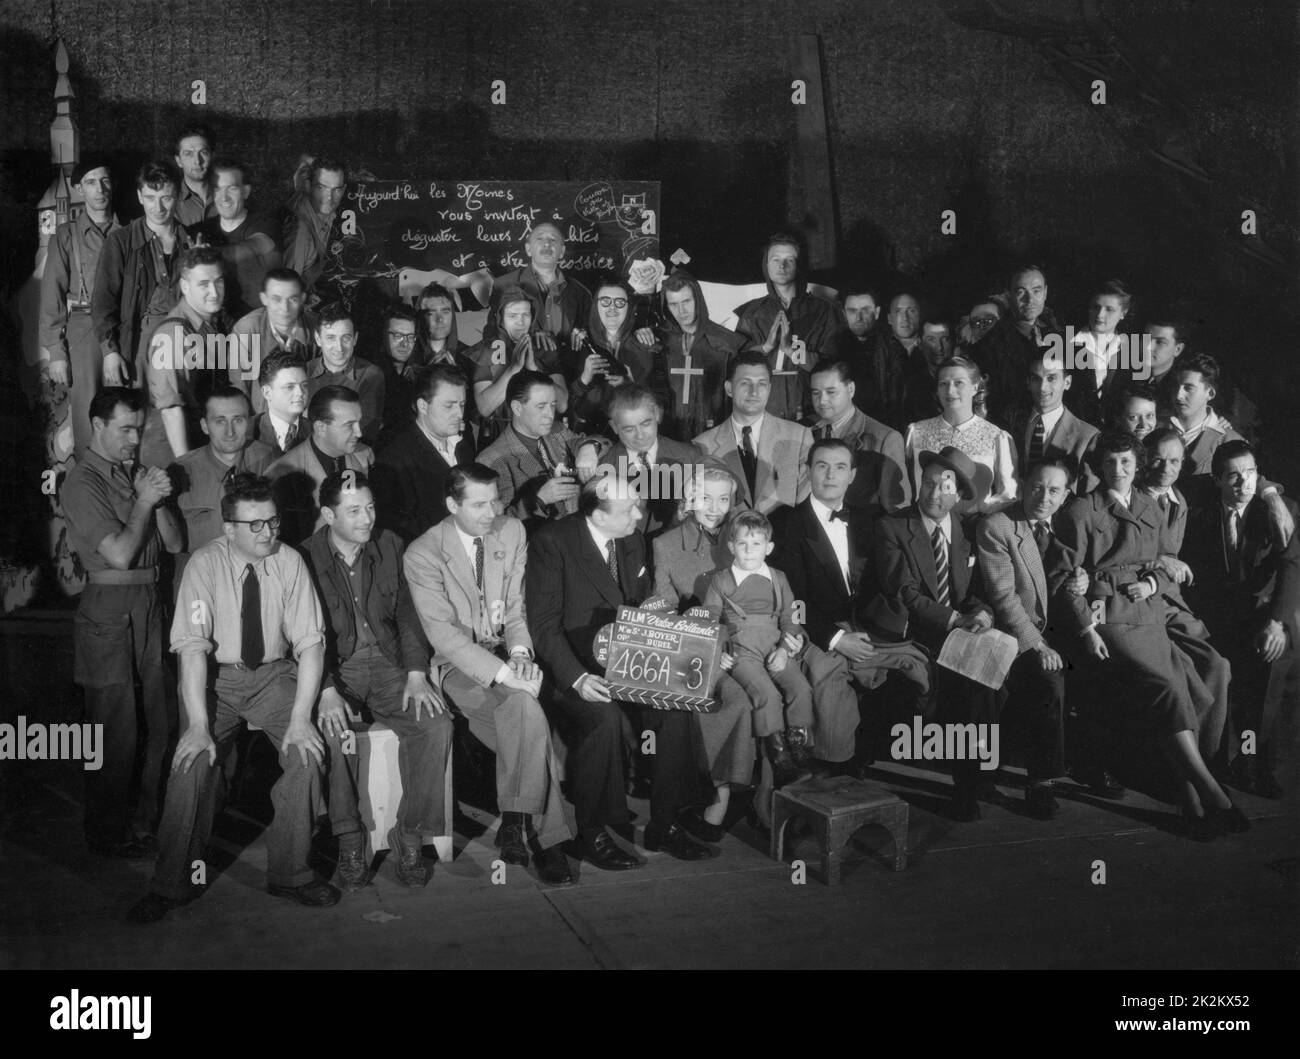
(553, 866)
(1230, 820)
(604, 853)
(675, 842)
(123, 849)
(511, 842)
(153, 907)
(964, 807)
(693, 822)
(411, 869)
(315, 894)
(1101, 784)
(798, 742)
(352, 874)
(1041, 803)
(784, 769)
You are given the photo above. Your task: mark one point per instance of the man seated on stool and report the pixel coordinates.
(467, 580)
(245, 600)
(375, 657)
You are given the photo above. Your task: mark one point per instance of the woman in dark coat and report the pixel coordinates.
(1127, 662)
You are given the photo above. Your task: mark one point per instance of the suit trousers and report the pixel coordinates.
(1040, 697)
(511, 723)
(836, 713)
(262, 697)
(779, 700)
(117, 641)
(423, 750)
(593, 733)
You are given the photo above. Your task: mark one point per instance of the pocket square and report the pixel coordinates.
(970, 561)
(641, 572)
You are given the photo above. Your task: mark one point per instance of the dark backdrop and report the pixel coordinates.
(932, 105)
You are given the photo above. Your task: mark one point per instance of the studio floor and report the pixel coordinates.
(1005, 892)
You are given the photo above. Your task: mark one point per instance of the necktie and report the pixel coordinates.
(545, 456)
(478, 563)
(1042, 535)
(940, 547)
(643, 462)
(290, 436)
(842, 514)
(252, 648)
(1163, 501)
(1234, 543)
(1037, 440)
(748, 459)
(824, 431)
(611, 560)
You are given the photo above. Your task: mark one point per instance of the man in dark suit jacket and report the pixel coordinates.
(658, 466)
(1008, 345)
(410, 473)
(283, 382)
(375, 656)
(1246, 588)
(823, 546)
(1044, 429)
(580, 570)
(1012, 544)
(925, 561)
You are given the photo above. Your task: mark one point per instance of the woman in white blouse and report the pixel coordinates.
(958, 379)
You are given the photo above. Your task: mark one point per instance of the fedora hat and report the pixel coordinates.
(961, 465)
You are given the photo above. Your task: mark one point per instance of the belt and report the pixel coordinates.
(78, 307)
(146, 576)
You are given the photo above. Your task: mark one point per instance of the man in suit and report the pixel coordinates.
(411, 472)
(1009, 344)
(375, 657)
(1246, 589)
(1046, 429)
(1104, 362)
(880, 480)
(467, 580)
(534, 462)
(333, 447)
(581, 570)
(282, 325)
(1011, 545)
(282, 381)
(768, 456)
(822, 546)
(926, 562)
(657, 465)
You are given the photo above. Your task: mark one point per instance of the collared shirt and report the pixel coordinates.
(471, 552)
(192, 208)
(740, 575)
(838, 532)
(552, 315)
(1212, 421)
(98, 497)
(601, 540)
(754, 429)
(1050, 419)
(650, 455)
(446, 446)
(170, 383)
(329, 464)
(945, 527)
(1121, 499)
(281, 428)
(1101, 350)
(206, 475)
(61, 282)
(357, 573)
(210, 602)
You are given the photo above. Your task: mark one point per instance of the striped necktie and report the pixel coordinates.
(940, 547)
(1037, 440)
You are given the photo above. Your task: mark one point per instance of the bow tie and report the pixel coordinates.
(842, 514)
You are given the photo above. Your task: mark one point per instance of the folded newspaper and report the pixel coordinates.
(984, 657)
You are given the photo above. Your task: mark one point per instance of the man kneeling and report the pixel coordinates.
(245, 600)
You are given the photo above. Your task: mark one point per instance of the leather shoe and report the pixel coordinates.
(315, 894)
(514, 849)
(675, 842)
(693, 822)
(1101, 784)
(964, 807)
(604, 853)
(352, 874)
(411, 869)
(553, 866)
(153, 907)
(797, 742)
(1041, 803)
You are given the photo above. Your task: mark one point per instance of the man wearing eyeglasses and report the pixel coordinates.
(338, 365)
(249, 603)
(312, 221)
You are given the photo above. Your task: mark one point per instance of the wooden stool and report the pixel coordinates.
(837, 807)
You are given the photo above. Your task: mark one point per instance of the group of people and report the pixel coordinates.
(442, 530)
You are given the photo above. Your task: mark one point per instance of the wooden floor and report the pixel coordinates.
(1005, 892)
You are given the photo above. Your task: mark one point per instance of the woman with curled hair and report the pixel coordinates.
(1132, 683)
(958, 382)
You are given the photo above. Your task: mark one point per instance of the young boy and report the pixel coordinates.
(755, 606)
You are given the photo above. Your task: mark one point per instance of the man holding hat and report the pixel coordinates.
(67, 335)
(925, 561)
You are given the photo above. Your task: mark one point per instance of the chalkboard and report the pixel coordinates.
(662, 660)
(405, 228)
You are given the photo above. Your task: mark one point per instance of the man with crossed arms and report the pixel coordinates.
(466, 576)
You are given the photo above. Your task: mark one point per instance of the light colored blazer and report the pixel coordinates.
(782, 477)
(521, 472)
(464, 628)
(1015, 583)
